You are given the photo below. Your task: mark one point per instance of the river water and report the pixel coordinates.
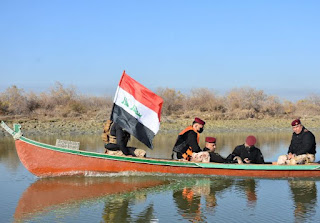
(129, 197)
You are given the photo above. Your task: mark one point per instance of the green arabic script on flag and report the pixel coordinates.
(133, 108)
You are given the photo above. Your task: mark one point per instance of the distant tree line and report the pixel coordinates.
(59, 101)
(238, 103)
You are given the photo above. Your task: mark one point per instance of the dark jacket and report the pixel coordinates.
(252, 153)
(215, 157)
(303, 143)
(187, 139)
(122, 139)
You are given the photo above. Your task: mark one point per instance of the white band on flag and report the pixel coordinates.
(143, 114)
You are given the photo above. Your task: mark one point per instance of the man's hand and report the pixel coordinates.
(290, 156)
(239, 160)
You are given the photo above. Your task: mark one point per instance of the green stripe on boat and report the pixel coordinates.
(259, 166)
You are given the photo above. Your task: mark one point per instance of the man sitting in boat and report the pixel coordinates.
(188, 141)
(210, 148)
(302, 148)
(117, 141)
(247, 152)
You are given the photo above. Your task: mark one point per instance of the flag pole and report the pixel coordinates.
(111, 112)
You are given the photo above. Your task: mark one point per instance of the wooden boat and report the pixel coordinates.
(47, 160)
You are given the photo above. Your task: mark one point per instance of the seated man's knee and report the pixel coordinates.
(282, 160)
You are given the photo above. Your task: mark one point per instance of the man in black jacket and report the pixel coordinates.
(188, 141)
(248, 152)
(303, 141)
(119, 141)
(210, 148)
(303, 144)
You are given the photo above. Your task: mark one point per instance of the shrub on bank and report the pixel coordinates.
(174, 101)
(60, 101)
(239, 103)
(14, 102)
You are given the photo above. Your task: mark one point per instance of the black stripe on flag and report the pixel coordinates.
(132, 125)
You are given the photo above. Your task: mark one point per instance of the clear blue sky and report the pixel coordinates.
(270, 45)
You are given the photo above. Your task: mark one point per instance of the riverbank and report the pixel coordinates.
(85, 126)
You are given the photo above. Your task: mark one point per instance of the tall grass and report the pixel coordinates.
(239, 103)
(60, 101)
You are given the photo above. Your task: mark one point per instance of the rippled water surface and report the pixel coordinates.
(129, 197)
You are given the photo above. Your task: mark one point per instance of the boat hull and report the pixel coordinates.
(46, 160)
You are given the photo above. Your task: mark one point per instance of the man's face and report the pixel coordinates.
(197, 126)
(211, 146)
(297, 128)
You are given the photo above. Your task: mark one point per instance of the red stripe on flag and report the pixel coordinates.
(141, 93)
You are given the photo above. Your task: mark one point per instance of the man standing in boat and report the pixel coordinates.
(302, 148)
(188, 141)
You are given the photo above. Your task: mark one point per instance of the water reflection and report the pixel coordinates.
(194, 199)
(48, 194)
(248, 187)
(119, 209)
(304, 195)
(193, 208)
(8, 154)
(188, 199)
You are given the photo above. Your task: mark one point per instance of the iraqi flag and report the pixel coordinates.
(137, 109)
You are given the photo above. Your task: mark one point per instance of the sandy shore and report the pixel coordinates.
(79, 126)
